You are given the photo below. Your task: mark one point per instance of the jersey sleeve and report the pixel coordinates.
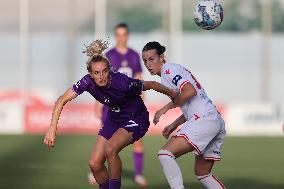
(82, 85)
(175, 75)
(135, 87)
(127, 85)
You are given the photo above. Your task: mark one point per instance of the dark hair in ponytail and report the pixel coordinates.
(154, 45)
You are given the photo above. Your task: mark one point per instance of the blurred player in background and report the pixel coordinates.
(125, 60)
(203, 131)
(127, 120)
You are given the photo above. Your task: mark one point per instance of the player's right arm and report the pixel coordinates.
(50, 136)
(77, 89)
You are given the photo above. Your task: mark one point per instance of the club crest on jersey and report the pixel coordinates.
(176, 79)
(167, 71)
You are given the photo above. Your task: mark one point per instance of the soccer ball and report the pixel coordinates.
(208, 14)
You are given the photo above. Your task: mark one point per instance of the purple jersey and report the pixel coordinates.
(128, 63)
(121, 96)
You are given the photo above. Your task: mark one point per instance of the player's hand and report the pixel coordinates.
(49, 139)
(167, 131)
(158, 114)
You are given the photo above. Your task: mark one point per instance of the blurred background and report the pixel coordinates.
(240, 64)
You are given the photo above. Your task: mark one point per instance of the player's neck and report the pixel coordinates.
(122, 49)
(161, 68)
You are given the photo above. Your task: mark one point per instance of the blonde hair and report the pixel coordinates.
(95, 53)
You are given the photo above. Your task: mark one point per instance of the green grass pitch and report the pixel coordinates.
(25, 163)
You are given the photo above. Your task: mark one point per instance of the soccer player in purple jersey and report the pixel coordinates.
(125, 60)
(127, 120)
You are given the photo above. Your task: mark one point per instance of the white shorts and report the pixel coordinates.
(205, 133)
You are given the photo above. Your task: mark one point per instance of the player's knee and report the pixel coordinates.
(164, 154)
(201, 171)
(110, 150)
(95, 165)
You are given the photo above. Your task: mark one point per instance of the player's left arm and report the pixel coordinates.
(178, 77)
(187, 92)
(147, 85)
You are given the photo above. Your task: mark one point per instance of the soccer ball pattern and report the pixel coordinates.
(208, 14)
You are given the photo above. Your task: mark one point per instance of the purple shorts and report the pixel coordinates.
(138, 125)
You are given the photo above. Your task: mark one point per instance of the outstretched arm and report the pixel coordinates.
(188, 91)
(159, 88)
(49, 139)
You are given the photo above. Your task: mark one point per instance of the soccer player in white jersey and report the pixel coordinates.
(203, 129)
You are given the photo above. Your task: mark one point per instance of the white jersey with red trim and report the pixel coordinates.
(175, 76)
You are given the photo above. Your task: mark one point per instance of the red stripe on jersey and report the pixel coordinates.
(219, 182)
(187, 139)
(182, 85)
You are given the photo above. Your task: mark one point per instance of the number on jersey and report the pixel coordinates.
(176, 79)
